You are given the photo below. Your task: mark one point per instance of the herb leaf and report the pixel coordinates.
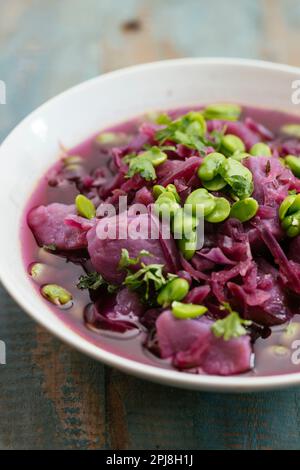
(188, 130)
(143, 167)
(231, 326)
(93, 281)
(126, 261)
(148, 277)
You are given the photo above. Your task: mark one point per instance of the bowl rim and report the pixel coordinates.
(130, 366)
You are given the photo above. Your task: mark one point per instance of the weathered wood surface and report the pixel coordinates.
(52, 396)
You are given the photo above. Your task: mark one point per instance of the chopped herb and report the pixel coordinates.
(93, 281)
(215, 139)
(231, 326)
(148, 279)
(163, 119)
(143, 167)
(188, 130)
(126, 261)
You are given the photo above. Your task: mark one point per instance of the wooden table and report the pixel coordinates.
(50, 395)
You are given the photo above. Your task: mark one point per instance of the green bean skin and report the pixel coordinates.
(294, 164)
(261, 150)
(215, 184)
(210, 166)
(188, 246)
(201, 200)
(177, 289)
(226, 111)
(231, 143)
(187, 311)
(56, 294)
(220, 213)
(292, 130)
(245, 209)
(85, 207)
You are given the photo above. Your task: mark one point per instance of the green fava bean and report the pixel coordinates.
(291, 225)
(290, 205)
(245, 209)
(239, 156)
(177, 289)
(184, 223)
(85, 207)
(291, 129)
(210, 166)
(171, 188)
(220, 212)
(294, 164)
(56, 294)
(226, 111)
(166, 205)
(232, 143)
(107, 138)
(72, 160)
(261, 150)
(158, 190)
(238, 177)
(155, 155)
(187, 311)
(215, 184)
(36, 270)
(201, 201)
(188, 246)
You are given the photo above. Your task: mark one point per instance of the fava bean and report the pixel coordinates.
(291, 129)
(36, 270)
(177, 289)
(294, 164)
(210, 166)
(245, 209)
(187, 311)
(188, 246)
(215, 184)
(72, 160)
(183, 224)
(85, 207)
(172, 189)
(291, 225)
(290, 205)
(158, 190)
(220, 212)
(201, 200)
(231, 143)
(239, 156)
(166, 205)
(226, 111)
(261, 150)
(111, 138)
(56, 294)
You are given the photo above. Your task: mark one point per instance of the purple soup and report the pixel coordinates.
(174, 240)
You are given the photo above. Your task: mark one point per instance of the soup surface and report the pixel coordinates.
(229, 305)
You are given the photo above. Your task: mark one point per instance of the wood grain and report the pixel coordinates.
(51, 396)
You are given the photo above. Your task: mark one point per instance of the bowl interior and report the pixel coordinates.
(75, 115)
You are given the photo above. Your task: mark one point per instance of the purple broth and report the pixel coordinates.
(269, 360)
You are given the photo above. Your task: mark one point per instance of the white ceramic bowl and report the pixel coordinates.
(76, 114)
